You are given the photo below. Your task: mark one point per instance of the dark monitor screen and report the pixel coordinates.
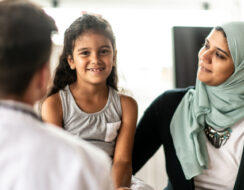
(187, 42)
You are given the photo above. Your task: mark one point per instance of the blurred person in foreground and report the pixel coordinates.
(36, 155)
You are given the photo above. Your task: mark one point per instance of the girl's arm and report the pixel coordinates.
(52, 110)
(122, 162)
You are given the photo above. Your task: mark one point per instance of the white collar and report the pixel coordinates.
(20, 107)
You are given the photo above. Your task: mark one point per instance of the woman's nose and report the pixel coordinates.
(206, 55)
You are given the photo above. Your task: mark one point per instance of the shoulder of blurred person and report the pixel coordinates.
(36, 155)
(93, 166)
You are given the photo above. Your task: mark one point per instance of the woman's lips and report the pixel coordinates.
(204, 69)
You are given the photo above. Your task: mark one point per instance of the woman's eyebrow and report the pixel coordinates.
(223, 51)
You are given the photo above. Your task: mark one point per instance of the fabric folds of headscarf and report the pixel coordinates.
(218, 106)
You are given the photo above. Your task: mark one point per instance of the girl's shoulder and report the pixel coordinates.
(52, 109)
(53, 100)
(127, 101)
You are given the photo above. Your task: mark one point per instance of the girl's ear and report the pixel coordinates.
(114, 57)
(71, 62)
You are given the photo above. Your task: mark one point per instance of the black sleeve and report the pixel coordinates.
(153, 128)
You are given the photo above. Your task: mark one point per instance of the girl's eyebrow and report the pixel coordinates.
(82, 49)
(223, 51)
(103, 46)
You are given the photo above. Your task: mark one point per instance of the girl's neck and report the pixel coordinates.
(89, 90)
(90, 99)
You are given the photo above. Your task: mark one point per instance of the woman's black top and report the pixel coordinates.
(153, 131)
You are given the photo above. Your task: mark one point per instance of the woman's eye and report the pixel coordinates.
(206, 45)
(220, 55)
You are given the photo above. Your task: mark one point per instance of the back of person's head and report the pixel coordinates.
(86, 23)
(25, 44)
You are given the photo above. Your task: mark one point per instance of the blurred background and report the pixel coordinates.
(157, 42)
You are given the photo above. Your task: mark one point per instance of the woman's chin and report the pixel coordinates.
(203, 78)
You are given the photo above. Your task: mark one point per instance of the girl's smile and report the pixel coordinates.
(93, 58)
(96, 70)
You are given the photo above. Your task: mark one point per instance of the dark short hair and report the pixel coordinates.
(25, 44)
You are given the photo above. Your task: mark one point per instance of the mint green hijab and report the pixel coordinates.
(219, 106)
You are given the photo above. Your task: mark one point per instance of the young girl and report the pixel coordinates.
(84, 98)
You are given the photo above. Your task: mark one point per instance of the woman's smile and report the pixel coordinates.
(204, 69)
(215, 62)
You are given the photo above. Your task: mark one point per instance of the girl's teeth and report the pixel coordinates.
(96, 70)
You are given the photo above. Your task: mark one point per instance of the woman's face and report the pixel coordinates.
(215, 61)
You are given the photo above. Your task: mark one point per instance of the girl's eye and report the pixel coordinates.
(85, 53)
(104, 51)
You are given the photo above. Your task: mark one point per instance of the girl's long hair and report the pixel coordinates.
(63, 74)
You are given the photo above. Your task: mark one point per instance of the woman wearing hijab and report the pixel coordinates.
(201, 128)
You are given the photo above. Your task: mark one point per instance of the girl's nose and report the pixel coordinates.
(94, 58)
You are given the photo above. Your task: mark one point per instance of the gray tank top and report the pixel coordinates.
(99, 128)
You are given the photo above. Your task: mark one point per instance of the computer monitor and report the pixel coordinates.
(187, 42)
